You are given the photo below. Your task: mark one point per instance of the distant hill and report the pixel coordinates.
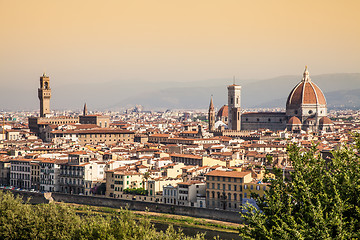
(339, 89)
(343, 99)
(276, 90)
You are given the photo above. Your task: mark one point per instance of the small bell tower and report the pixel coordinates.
(211, 117)
(85, 111)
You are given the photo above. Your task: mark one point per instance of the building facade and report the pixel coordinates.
(20, 173)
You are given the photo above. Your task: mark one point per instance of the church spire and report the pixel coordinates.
(211, 116)
(85, 110)
(211, 103)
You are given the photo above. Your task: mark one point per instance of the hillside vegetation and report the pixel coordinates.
(21, 220)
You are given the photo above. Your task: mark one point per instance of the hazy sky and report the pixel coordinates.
(86, 41)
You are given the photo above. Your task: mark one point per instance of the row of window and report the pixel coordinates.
(225, 179)
(71, 181)
(20, 176)
(233, 187)
(20, 168)
(258, 120)
(21, 184)
(62, 122)
(48, 182)
(74, 173)
(119, 176)
(222, 196)
(169, 192)
(108, 140)
(70, 167)
(47, 177)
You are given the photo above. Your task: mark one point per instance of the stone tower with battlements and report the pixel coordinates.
(234, 107)
(44, 94)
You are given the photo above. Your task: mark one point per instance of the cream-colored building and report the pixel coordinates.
(229, 190)
(197, 160)
(155, 186)
(172, 170)
(118, 180)
(224, 189)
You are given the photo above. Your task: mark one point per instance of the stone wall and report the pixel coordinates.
(38, 198)
(32, 197)
(152, 207)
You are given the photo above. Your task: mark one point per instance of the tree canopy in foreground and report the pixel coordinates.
(322, 200)
(21, 220)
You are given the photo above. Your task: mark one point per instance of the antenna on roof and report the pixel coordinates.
(234, 80)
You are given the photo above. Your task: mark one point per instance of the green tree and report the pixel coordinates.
(21, 220)
(321, 201)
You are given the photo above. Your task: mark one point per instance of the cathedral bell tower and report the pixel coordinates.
(211, 116)
(234, 107)
(44, 94)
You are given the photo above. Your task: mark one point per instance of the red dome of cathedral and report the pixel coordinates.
(223, 112)
(325, 120)
(294, 121)
(306, 92)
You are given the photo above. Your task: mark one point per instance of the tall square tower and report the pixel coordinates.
(44, 94)
(234, 107)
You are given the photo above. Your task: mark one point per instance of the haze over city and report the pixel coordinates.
(106, 52)
(192, 120)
